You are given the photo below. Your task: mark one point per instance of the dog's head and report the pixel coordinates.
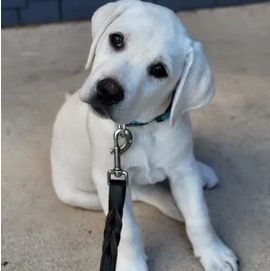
(140, 59)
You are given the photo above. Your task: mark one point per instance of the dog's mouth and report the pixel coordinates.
(112, 112)
(100, 111)
(105, 112)
(96, 107)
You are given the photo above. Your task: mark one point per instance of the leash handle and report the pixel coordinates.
(117, 179)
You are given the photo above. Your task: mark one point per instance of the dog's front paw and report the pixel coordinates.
(218, 257)
(131, 263)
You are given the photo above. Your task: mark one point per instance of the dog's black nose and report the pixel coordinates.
(109, 92)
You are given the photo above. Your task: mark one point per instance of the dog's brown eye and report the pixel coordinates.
(158, 70)
(117, 40)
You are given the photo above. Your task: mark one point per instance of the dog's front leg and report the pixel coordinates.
(188, 193)
(131, 251)
(131, 255)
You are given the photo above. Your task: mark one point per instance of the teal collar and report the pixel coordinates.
(160, 118)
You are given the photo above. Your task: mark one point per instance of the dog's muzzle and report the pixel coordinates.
(108, 93)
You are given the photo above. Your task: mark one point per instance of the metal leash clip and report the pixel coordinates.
(122, 134)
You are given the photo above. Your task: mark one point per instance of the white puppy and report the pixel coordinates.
(142, 61)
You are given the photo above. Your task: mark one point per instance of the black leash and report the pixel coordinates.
(117, 181)
(113, 226)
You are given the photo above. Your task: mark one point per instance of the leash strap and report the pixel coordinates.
(117, 181)
(113, 225)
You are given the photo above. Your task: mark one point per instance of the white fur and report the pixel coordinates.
(82, 140)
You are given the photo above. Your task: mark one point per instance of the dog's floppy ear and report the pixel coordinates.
(196, 86)
(101, 19)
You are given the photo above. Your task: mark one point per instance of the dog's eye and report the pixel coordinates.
(117, 40)
(158, 70)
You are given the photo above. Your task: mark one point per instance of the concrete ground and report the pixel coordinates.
(233, 134)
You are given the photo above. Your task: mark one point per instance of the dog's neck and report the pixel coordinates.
(160, 118)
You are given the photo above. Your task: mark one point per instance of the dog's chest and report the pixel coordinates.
(147, 160)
